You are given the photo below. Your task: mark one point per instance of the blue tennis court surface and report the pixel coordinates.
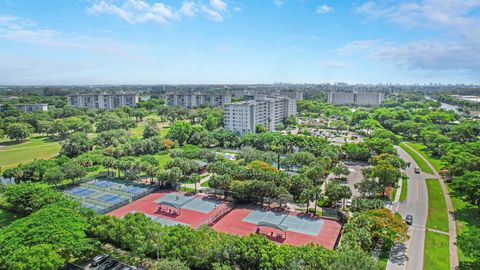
(102, 183)
(111, 198)
(80, 191)
(299, 224)
(134, 190)
(202, 205)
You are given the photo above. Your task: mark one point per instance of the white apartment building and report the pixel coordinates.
(355, 98)
(103, 101)
(243, 117)
(197, 99)
(28, 107)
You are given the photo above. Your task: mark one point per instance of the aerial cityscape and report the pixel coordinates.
(239, 134)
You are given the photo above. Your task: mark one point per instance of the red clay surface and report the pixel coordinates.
(232, 223)
(147, 205)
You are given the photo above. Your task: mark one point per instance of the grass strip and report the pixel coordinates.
(436, 253)
(422, 149)
(437, 217)
(403, 192)
(420, 162)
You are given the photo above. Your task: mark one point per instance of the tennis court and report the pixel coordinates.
(194, 210)
(299, 228)
(111, 198)
(81, 191)
(191, 202)
(165, 221)
(293, 223)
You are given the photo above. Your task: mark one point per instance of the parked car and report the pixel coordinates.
(416, 170)
(99, 259)
(409, 219)
(107, 265)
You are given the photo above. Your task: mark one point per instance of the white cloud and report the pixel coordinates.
(25, 31)
(140, 11)
(189, 8)
(456, 24)
(237, 9)
(136, 11)
(323, 9)
(212, 14)
(335, 64)
(218, 5)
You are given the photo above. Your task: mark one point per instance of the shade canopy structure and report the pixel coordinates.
(171, 204)
(272, 225)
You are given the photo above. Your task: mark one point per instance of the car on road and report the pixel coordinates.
(409, 219)
(416, 170)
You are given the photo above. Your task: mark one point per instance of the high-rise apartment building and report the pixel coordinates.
(244, 116)
(355, 98)
(197, 99)
(103, 101)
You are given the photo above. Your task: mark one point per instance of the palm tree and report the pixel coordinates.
(195, 178)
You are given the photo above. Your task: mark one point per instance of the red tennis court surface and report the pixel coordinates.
(232, 223)
(147, 205)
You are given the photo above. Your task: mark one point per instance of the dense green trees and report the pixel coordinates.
(19, 131)
(26, 198)
(468, 185)
(76, 144)
(45, 239)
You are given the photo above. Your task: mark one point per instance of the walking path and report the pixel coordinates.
(199, 185)
(452, 231)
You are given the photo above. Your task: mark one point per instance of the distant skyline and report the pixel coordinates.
(85, 42)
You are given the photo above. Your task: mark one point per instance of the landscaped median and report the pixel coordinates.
(420, 148)
(418, 159)
(436, 254)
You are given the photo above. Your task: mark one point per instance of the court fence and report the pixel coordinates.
(102, 206)
(211, 220)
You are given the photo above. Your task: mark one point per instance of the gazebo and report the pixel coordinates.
(275, 226)
(167, 206)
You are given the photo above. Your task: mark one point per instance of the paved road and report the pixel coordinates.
(409, 255)
(452, 232)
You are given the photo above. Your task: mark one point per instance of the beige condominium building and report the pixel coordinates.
(28, 107)
(244, 116)
(103, 101)
(191, 100)
(355, 98)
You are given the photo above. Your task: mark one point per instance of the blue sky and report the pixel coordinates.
(238, 41)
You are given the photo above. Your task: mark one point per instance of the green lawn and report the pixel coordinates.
(137, 131)
(436, 163)
(163, 159)
(403, 193)
(6, 217)
(437, 208)
(420, 162)
(393, 194)
(436, 254)
(39, 147)
(164, 131)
